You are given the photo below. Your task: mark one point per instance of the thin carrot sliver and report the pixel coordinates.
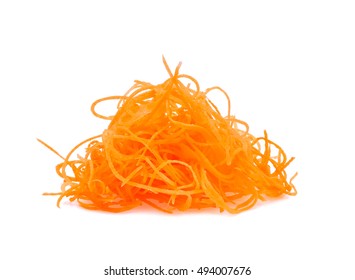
(169, 147)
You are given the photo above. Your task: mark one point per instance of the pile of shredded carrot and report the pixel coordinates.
(168, 146)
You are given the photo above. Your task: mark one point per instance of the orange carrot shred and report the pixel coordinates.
(169, 147)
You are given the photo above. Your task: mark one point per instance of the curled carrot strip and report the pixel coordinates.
(169, 147)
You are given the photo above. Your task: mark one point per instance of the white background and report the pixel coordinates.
(289, 67)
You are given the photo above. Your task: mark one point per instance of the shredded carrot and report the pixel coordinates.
(169, 147)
